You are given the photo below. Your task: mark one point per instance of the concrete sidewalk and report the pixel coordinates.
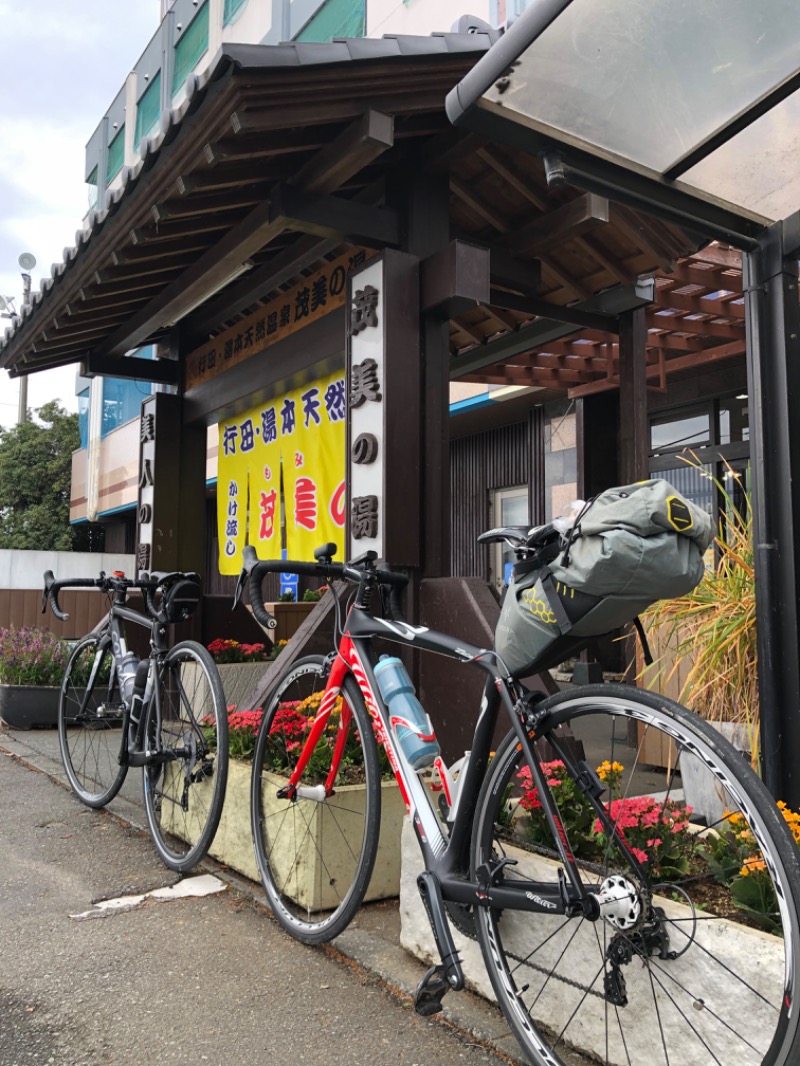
(371, 943)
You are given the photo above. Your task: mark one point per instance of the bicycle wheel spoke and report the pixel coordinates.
(89, 724)
(668, 968)
(315, 847)
(184, 786)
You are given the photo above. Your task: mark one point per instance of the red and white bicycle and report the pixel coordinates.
(626, 953)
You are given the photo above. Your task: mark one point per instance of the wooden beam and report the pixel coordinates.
(477, 204)
(160, 371)
(455, 278)
(255, 285)
(668, 298)
(535, 307)
(360, 144)
(335, 217)
(570, 220)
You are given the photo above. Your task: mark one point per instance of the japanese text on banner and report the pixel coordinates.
(301, 434)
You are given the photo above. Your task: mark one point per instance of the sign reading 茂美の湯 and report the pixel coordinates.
(302, 434)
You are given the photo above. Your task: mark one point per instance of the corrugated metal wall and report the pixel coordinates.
(479, 464)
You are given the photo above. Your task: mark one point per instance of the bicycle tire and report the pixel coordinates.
(183, 797)
(90, 723)
(315, 857)
(557, 979)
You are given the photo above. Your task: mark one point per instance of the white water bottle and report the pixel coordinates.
(410, 723)
(126, 672)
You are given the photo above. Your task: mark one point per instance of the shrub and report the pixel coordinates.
(31, 656)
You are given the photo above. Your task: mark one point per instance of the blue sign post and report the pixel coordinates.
(289, 582)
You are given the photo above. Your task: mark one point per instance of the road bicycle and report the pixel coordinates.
(607, 912)
(166, 713)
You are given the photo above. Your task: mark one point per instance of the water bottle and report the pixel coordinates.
(411, 724)
(126, 672)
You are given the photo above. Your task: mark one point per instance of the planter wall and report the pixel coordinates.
(745, 950)
(233, 843)
(29, 706)
(238, 681)
(289, 616)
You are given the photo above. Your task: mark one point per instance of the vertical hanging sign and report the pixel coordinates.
(383, 443)
(366, 404)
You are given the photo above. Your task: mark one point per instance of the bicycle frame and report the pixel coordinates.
(446, 857)
(111, 633)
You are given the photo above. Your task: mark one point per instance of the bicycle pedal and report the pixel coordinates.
(430, 992)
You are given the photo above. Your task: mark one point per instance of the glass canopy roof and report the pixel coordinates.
(700, 95)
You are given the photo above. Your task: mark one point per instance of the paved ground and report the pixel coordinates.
(209, 979)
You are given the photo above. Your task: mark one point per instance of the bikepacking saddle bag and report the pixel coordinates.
(628, 547)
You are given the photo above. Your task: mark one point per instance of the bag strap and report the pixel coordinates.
(557, 607)
(575, 531)
(646, 653)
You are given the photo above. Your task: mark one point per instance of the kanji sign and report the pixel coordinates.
(309, 300)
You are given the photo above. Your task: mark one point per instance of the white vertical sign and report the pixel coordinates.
(366, 407)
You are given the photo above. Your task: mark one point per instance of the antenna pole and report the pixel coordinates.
(22, 410)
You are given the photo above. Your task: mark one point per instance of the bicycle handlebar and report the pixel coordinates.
(148, 583)
(254, 571)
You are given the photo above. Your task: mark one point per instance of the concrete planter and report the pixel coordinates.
(744, 950)
(233, 843)
(238, 681)
(29, 706)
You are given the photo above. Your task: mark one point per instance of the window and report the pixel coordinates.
(509, 508)
(715, 434)
(560, 457)
(231, 8)
(148, 110)
(122, 397)
(83, 417)
(91, 183)
(116, 156)
(191, 46)
(336, 18)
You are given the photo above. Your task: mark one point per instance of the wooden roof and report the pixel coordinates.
(278, 159)
(697, 318)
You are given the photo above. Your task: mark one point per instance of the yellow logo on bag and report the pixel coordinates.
(539, 608)
(679, 515)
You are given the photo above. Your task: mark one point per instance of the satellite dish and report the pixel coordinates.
(27, 261)
(3, 303)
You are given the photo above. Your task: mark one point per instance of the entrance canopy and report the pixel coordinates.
(693, 105)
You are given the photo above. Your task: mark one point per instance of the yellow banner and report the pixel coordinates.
(285, 456)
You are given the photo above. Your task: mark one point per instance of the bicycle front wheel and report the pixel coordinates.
(316, 850)
(187, 729)
(90, 719)
(691, 956)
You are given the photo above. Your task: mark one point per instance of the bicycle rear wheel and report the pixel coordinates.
(315, 853)
(90, 718)
(187, 727)
(693, 956)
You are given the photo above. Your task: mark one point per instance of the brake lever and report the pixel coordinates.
(237, 595)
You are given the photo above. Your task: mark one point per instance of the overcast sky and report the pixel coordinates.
(62, 62)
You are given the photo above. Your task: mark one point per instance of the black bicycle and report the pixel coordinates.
(608, 914)
(166, 713)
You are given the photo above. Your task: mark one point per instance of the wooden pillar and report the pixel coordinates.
(598, 420)
(171, 523)
(427, 204)
(633, 437)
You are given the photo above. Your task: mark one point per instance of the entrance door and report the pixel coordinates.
(509, 508)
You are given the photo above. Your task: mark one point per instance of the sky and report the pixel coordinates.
(62, 62)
